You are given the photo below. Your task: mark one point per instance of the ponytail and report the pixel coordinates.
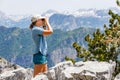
(32, 25)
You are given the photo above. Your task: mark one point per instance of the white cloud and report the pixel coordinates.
(40, 6)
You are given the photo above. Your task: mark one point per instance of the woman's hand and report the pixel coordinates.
(46, 20)
(49, 28)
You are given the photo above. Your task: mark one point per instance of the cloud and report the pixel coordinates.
(40, 6)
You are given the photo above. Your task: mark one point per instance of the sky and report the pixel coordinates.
(18, 7)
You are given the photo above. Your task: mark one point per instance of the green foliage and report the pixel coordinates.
(0, 58)
(70, 59)
(118, 3)
(103, 46)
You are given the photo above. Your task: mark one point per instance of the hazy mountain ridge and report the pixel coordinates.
(16, 41)
(62, 20)
(17, 45)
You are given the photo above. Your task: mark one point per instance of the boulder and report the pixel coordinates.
(18, 74)
(41, 77)
(90, 70)
(9, 71)
(54, 72)
(7, 66)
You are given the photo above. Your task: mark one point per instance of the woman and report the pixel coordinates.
(40, 28)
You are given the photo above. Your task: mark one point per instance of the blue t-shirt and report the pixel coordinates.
(39, 40)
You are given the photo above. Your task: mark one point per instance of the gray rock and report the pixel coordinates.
(7, 66)
(90, 70)
(41, 77)
(54, 72)
(80, 71)
(18, 74)
(11, 71)
(61, 67)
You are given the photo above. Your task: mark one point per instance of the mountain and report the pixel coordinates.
(49, 13)
(17, 45)
(66, 20)
(16, 18)
(91, 12)
(5, 20)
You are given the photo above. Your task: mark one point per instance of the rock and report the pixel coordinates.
(9, 71)
(90, 70)
(61, 67)
(7, 66)
(41, 77)
(54, 72)
(18, 74)
(117, 77)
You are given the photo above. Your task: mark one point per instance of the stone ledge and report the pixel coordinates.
(80, 71)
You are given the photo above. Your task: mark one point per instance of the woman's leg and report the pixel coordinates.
(45, 68)
(39, 68)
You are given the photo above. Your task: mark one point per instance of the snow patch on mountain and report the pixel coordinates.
(17, 17)
(86, 13)
(49, 13)
(76, 13)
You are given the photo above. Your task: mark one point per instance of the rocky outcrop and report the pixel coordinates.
(80, 71)
(89, 70)
(9, 71)
(54, 72)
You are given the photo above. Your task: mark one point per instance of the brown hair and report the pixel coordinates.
(32, 24)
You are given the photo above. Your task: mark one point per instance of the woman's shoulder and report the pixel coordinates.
(36, 28)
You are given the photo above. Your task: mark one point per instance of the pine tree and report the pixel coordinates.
(103, 46)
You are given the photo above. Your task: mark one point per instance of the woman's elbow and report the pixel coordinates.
(47, 33)
(51, 31)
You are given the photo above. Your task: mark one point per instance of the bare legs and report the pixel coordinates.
(39, 68)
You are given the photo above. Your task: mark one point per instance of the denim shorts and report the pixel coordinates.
(39, 58)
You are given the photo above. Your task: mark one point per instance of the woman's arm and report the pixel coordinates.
(49, 30)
